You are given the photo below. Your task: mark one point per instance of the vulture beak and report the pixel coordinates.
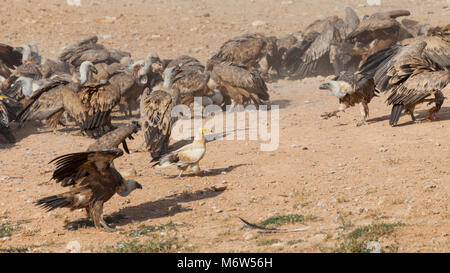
(325, 86)
(94, 70)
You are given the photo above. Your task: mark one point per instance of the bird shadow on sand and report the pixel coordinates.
(209, 173)
(443, 114)
(282, 104)
(168, 206)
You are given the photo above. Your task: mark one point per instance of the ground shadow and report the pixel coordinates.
(443, 114)
(282, 104)
(168, 206)
(209, 173)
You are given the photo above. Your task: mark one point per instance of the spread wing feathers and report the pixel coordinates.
(385, 64)
(9, 59)
(79, 47)
(29, 70)
(319, 48)
(240, 83)
(418, 87)
(8, 111)
(91, 105)
(245, 50)
(438, 50)
(294, 54)
(375, 27)
(156, 120)
(71, 167)
(111, 140)
(44, 102)
(351, 21)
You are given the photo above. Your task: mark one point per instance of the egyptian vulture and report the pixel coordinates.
(237, 85)
(351, 88)
(94, 182)
(186, 156)
(156, 119)
(411, 73)
(9, 109)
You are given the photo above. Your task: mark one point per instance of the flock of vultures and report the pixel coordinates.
(368, 55)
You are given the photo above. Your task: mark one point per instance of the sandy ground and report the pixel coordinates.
(330, 171)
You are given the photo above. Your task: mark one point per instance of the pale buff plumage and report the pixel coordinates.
(187, 156)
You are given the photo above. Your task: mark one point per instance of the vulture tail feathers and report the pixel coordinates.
(52, 202)
(395, 114)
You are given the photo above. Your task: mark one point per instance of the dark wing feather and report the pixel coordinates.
(112, 139)
(71, 167)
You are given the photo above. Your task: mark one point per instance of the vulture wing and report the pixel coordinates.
(71, 167)
(9, 59)
(112, 139)
(156, 120)
(8, 112)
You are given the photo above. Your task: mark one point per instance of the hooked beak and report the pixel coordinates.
(94, 70)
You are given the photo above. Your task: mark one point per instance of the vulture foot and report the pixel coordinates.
(328, 115)
(361, 123)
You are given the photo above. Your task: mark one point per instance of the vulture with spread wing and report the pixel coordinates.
(411, 73)
(94, 181)
(156, 107)
(377, 31)
(237, 85)
(351, 88)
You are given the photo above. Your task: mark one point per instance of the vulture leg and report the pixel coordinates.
(328, 115)
(364, 108)
(438, 100)
(97, 216)
(182, 169)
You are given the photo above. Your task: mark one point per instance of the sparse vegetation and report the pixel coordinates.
(268, 242)
(155, 245)
(7, 228)
(145, 230)
(283, 219)
(356, 241)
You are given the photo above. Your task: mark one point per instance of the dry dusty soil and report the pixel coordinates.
(348, 185)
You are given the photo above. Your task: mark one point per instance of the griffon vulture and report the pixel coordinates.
(237, 85)
(156, 119)
(351, 88)
(94, 182)
(411, 73)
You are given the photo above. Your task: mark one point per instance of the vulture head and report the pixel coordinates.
(338, 88)
(130, 185)
(85, 67)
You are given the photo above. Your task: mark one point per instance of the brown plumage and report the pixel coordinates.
(378, 31)
(112, 139)
(191, 80)
(156, 119)
(9, 109)
(10, 58)
(351, 88)
(238, 85)
(247, 50)
(411, 73)
(95, 181)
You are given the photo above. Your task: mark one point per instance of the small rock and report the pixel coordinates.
(206, 15)
(73, 247)
(287, 3)
(383, 149)
(248, 236)
(296, 145)
(373, 247)
(374, 2)
(320, 204)
(259, 23)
